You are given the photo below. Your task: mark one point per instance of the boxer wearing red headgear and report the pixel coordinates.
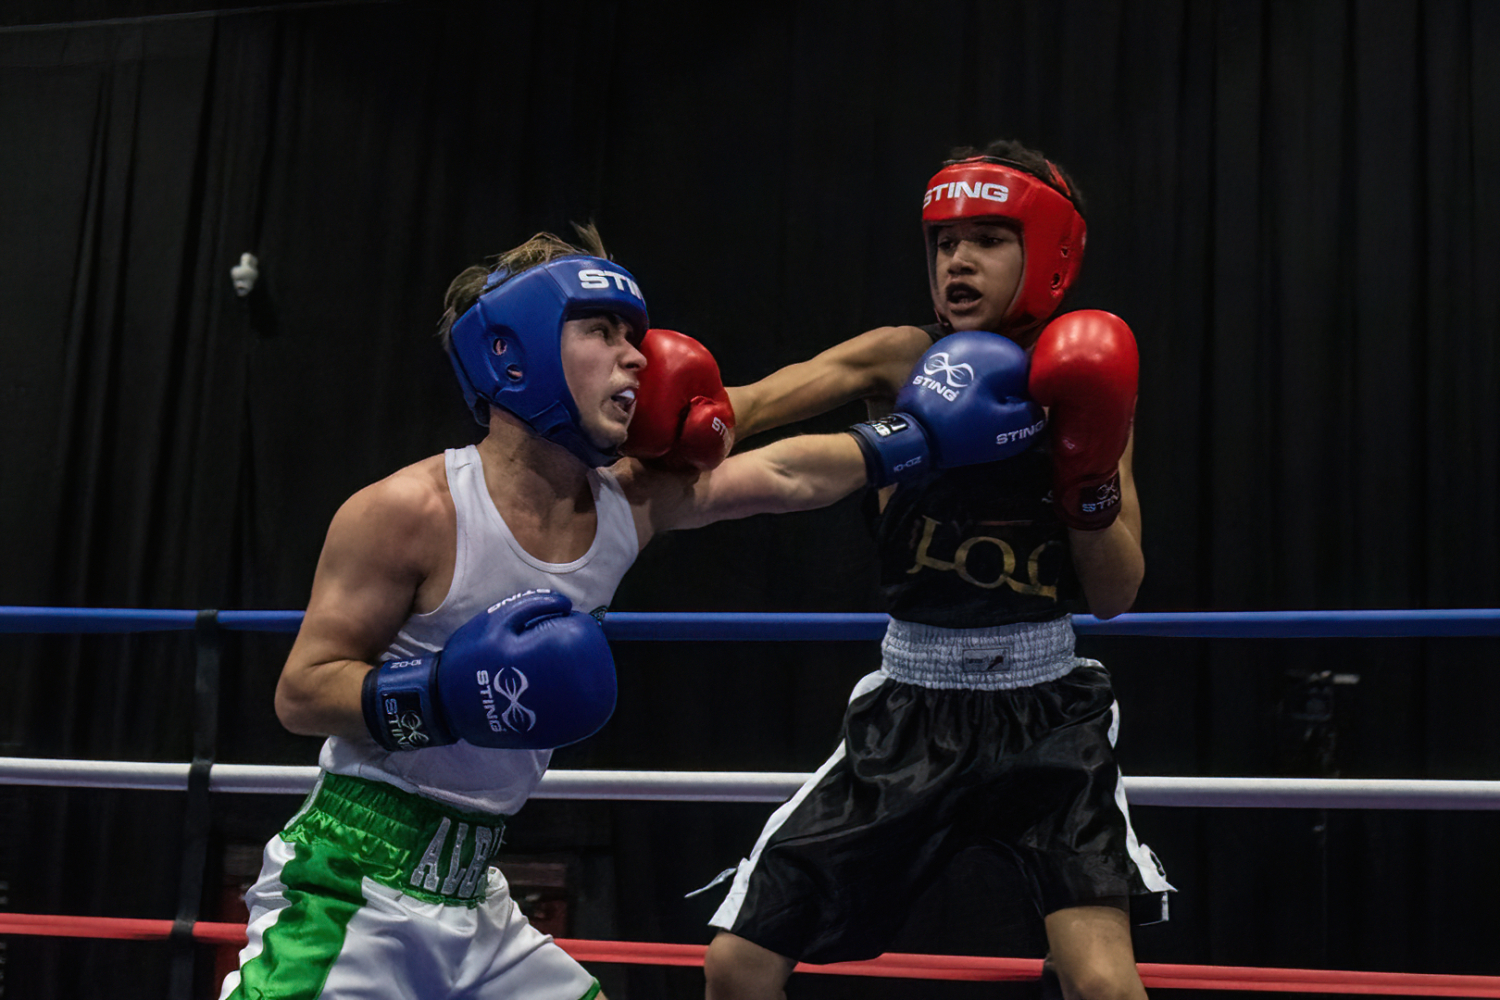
(980, 189)
(980, 693)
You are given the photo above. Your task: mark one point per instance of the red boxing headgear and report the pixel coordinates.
(1052, 231)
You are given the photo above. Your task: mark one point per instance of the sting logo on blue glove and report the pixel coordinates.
(509, 683)
(965, 403)
(957, 376)
(1007, 438)
(531, 645)
(513, 598)
(406, 727)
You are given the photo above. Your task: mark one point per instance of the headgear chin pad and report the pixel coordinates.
(507, 348)
(1052, 230)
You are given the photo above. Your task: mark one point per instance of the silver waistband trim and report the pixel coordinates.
(982, 659)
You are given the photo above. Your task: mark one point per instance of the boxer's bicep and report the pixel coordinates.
(366, 580)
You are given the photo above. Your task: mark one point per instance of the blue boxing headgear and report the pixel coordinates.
(507, 347)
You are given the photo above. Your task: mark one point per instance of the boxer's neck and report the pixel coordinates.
(541, 490)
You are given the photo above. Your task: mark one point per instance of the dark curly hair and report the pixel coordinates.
(1029, 160)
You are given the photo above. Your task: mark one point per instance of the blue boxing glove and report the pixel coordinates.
(965, 403)
(529, 673)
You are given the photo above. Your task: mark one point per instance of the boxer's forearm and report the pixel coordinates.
(798, 473)
(811, 470)
(323, 699)
(872, 365)
(792, 394)
(1110, 565)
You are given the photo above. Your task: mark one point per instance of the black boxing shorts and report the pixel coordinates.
(996, 737)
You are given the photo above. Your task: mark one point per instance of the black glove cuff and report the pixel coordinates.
(375, 719)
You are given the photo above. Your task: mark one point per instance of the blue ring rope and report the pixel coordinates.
(716, 626)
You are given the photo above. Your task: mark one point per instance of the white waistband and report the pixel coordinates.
(982, 659)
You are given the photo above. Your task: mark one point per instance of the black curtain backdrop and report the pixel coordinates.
(1294, 204)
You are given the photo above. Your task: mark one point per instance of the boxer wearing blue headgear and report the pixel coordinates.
(453, 638)
(507, 348)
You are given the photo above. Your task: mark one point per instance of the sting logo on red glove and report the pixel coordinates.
(1106, 495)
(682, 414)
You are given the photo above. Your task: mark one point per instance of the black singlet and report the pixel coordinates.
(977, 546)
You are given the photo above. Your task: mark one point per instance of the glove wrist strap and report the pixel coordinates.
(895, 448)
(399, 708)
(1091, 505)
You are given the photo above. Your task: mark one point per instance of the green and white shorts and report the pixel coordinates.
(371, 892)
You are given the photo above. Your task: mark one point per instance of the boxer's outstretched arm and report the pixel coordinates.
(796, 473)
(872, 365)
(373, 560)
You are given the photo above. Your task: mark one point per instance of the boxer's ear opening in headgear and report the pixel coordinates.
(1045, 212)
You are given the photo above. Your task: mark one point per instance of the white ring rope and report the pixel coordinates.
(751, 786)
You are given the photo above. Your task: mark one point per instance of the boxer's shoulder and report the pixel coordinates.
(413, 493)
(647, 483)
(408, 517)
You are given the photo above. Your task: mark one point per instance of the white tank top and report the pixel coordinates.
(490, 566)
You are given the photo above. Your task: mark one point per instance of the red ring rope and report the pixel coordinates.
(896, 966)
(893, 965)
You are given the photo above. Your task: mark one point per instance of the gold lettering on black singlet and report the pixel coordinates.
(960, 563)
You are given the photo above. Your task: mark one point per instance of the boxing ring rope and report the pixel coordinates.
(892, 965)
(688, 786)
(777, 786)
(692, 626)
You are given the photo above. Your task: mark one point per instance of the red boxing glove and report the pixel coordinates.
(682, 413)
(1084, 370)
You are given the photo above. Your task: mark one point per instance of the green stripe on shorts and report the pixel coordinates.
(300, 948)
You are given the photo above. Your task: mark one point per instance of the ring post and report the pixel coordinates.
(197, 816)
